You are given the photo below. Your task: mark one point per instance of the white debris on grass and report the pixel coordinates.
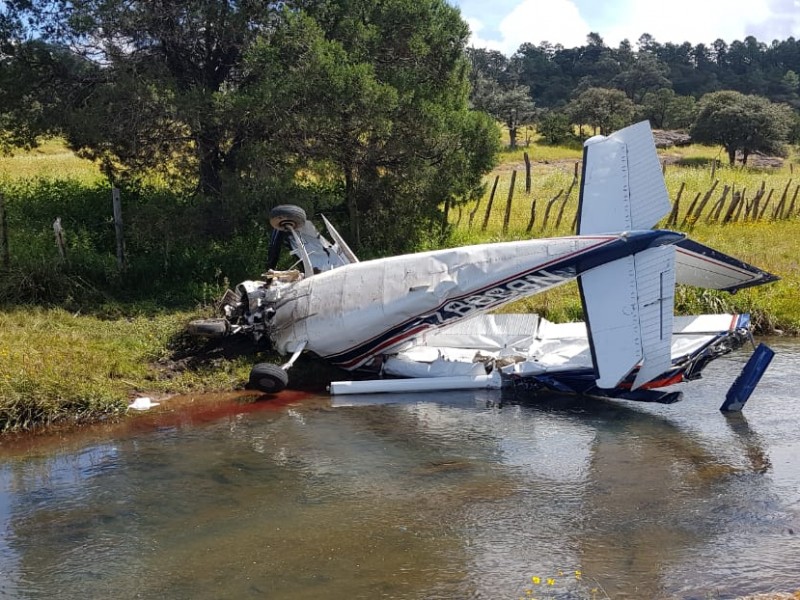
(142, 403)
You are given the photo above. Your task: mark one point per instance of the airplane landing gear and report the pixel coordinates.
(269, 378)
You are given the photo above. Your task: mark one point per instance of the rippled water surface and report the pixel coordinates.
(456, 495)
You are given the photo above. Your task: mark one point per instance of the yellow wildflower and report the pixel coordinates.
(551, 581)
(536, 580)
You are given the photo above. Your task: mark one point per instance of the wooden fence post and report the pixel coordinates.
(735, 200)
(489, 206)
(794, 199)
(717, 208)
(577, 214)
(60, 242)
(778, 212)
(5, 257)
(688, 214)
(564, 202)
(507, 218)
(527, 172)
(752, 207)
(549, 206)
(117, 207)
(704, 201)
(760, 215)
(473, 212)
(533, 216)
(673, 217)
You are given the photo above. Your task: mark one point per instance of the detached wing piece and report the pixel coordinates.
(701, 266)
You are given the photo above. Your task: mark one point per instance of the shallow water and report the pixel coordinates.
(455, 495)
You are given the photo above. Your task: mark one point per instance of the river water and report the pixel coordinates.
(452, 495)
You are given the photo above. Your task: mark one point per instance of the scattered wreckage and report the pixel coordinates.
(423, 321)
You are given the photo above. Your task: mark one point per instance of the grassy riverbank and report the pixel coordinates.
(56, 366)
(72, 351)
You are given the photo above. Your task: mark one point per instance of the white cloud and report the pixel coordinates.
(691, 21)
(676, 21)
(554, 21)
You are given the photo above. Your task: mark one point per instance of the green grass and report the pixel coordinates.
(50, 160)
(61, 367)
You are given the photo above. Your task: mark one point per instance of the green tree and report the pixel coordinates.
(646, 74)
(373, 97)
(602, 109)
(361, 102)
(510, 105)
(541, 74)
(741, 123)
(161, 71)
(555, 127)
(666, 110)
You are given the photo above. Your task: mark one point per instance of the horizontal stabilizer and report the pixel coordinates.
(701, 266)
(622, 187)
(628, 306)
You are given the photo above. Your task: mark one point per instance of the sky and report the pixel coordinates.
(506, 24)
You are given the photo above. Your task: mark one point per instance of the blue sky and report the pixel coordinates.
(505, 24)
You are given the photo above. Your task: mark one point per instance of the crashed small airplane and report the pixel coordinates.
(423, 322)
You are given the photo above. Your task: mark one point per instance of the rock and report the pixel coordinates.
(667, 139)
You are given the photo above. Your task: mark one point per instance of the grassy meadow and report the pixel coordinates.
(71, 353)
(50, 160)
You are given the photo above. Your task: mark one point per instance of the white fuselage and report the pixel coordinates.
(355, 312)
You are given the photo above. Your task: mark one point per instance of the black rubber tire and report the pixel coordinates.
(209, 327)
(269, 378)
(287, 214)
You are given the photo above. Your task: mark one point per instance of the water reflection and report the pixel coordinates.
(440, 496)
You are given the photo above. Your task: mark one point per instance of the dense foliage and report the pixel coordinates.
(741, 123)
(555, 74)
(356, 104)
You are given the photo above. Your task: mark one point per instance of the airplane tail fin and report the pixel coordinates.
(628, 303)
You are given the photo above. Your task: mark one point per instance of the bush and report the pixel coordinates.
(555, 128)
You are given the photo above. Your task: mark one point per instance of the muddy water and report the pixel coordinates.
(457, 495)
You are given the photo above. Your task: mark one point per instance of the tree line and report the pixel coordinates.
(744, 96)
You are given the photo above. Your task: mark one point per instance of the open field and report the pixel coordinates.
(51, 160)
